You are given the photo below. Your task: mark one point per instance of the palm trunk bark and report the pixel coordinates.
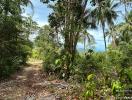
(84, 44)
(104, 37)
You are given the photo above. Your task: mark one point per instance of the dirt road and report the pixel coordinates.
(32, 84)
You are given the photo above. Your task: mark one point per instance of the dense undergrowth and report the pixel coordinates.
(103, 74)
(15, 47)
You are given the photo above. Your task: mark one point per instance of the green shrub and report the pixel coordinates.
(50, 64)
(11, 59)
(6, 71)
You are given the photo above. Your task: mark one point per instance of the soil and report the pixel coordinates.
(33, 84)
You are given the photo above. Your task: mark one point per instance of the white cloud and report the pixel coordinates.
(42, 23)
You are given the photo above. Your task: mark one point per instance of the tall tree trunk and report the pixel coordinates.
(114, 42)
(103, 28)
(67, 41)
(125, 6)
(84, 44)
(71, 36)
(76, 37)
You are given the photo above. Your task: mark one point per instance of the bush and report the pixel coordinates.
(112, 69)
(11, 59)
(6, 71)
(8, 67)
(50, 59)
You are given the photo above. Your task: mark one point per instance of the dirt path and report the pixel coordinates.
(32, 84)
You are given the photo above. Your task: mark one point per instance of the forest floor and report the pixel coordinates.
(32, 83)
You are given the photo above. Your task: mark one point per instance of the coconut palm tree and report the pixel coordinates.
(111, 34)
(121, 32)
(86, 37)
(104, 12)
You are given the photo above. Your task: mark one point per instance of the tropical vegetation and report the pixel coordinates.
(102, 75)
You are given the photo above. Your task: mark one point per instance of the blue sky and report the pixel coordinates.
(41, 12)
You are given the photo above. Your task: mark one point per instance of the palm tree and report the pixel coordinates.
(121, 32)
(105, 13)
(112, 34)
(86, 37)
